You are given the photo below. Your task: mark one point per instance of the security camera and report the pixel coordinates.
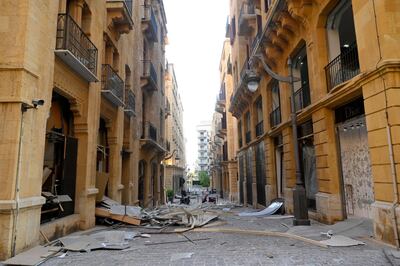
(37, 102)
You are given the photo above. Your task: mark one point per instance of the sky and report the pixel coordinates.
(196, 32)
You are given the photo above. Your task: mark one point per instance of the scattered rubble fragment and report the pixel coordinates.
(273, 208)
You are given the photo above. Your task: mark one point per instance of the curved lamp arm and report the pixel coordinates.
(170, 156)
(267, 69)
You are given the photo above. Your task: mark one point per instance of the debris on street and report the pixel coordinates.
(341, 241)
(273, 208)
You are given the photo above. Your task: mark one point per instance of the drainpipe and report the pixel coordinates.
(390, 144)
(16, 191)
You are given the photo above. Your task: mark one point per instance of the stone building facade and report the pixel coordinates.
(344, 58)
(76, 108)
(175, 163)
(224, 136)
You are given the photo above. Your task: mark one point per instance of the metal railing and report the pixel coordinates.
(243, 70)
(130, 102)
(246, 9)
(149, 132)
(222, 93)
(129, 6)
(343, 67)
(255, 41)
(275, 117)
(110, 81)
(71, 37)
(150, 71)
(148, 15)
(248, 137)
(302, 98)
(260, 129)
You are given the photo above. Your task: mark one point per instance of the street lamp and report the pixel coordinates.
(299, 193)
(253, 80)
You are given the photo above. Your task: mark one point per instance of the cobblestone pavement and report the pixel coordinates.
(231, 249)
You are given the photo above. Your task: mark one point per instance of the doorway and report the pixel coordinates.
(249, 176)
(308, 162)
(358, 188)
(260, 173)
(59, 165)
(279, 168)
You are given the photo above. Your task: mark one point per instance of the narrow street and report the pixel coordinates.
(238, 249)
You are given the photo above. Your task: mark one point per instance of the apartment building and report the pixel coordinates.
(78, 96)
(203, 138)
(175, 160)
(341, 60)
(224, 133)
(153, 109)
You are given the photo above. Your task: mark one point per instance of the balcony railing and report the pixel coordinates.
(302, 98)
(275, 117)
(150, 19)
(112, 86)
(129, 5)
(150, 132)
(150, 73)
(75, 48)
(130, 103)
(260, 129)
(248, 137)
(247, 11)
(342, 68)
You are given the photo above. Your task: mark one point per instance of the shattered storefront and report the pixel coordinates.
(59, 166)
(308, 162)
(355, 161)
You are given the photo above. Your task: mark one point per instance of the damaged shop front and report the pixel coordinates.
(60, 162)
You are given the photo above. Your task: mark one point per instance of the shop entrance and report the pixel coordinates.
(355, 161)
(59, 166)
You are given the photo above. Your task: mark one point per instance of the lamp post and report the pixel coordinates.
(299, 193)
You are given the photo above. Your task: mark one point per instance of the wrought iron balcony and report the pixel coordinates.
(120, 14)
(260, 129)
(149, 23)
(75, 49)
(302, 98)
(247, 18)
(342, 68)
(248, 137)
(149, 76)
(275, 117)
(151, 139)
(130, 103)
(112, 86)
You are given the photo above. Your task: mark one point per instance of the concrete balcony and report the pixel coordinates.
(150, 138)
(149, 24)
(130, 103)
(149, 78)
(119, 15)
(75, 49)
(112, 86)
(247, 19)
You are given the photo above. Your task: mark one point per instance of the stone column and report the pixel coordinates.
(328, 198)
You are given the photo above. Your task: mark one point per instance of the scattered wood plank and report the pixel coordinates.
(260, 233)
(105, 213)
(174, 242)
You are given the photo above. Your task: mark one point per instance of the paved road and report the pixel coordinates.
(231, 249)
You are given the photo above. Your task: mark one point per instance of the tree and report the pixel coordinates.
(204, 179)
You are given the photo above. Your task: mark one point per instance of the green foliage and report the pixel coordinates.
(170, 193)
(204, 179)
